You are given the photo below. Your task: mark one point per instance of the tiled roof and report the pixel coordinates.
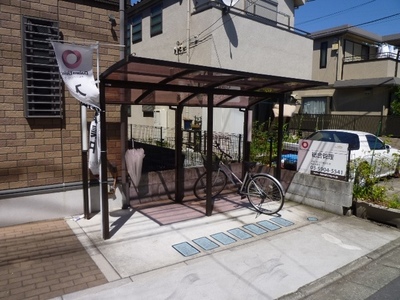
(334, 31)
(386, 81)
(392, 39)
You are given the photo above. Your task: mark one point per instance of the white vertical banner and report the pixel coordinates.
(94, 145)
(75, 64)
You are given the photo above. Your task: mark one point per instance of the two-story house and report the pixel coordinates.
(250, 36)
(361, 69)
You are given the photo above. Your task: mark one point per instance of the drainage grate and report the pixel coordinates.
(269, 225)
(239, 233)
(205, 243)
(282, 222)
(223, 238)
(254, 229)
(185, 249)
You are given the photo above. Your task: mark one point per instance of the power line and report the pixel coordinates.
(336, 13)
(383, 19)
(387, 20)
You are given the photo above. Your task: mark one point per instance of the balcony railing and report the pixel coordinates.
(384, 55)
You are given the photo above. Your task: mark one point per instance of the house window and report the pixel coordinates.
(323, 55)
(314, 105)
(156, 20)
(137, 29)
(148, 111)
(42, 81)
(355, 51)
(364, 52)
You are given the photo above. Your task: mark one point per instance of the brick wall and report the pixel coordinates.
(38, 152)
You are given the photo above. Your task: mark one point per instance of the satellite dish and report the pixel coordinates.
(230, 3)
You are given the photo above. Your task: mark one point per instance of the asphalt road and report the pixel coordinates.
(389, 292)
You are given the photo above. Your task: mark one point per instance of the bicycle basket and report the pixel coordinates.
(215, 161)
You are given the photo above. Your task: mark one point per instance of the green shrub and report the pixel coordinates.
(394, 202)
(264, 144)
(366, 188)
(395, 104)
(261, 143)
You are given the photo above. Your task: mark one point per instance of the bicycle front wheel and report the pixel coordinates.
(265, 194)
(218, 179)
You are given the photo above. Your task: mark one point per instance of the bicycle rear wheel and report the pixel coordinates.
(218, 180)
(265, 194)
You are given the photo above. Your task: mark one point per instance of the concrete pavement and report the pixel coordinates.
(173, 251)
(305, 250)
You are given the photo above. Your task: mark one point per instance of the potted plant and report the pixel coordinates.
(197, 123)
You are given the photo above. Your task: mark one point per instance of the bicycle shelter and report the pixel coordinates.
(143, 81)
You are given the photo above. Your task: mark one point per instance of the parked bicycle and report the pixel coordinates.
(264, 192)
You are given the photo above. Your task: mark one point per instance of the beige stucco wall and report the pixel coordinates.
(337, 69)
(333, 68)
(227, 41)
(372, 69)
(254, 47)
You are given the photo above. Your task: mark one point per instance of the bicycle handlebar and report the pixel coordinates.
(217, 145)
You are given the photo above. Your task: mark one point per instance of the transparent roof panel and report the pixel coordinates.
(144, 81)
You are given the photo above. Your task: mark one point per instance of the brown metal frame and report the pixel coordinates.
(157, 82)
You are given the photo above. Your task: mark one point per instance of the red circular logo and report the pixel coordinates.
(77, 59)
(304, 144)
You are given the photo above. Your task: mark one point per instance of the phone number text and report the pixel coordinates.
(326, 170)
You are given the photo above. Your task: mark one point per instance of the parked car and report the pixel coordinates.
(365, 149)
(289, 161)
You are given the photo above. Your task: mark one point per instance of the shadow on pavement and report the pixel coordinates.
(124, 215)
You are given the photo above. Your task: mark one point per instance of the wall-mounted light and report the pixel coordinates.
(111, 19)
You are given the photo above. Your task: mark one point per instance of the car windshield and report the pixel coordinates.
(337, 137)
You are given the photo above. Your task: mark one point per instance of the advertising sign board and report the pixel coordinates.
(324, 159)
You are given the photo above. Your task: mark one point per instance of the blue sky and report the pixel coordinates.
(322, 14)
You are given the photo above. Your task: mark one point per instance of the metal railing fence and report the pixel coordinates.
(378, 125)
(194, 141)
